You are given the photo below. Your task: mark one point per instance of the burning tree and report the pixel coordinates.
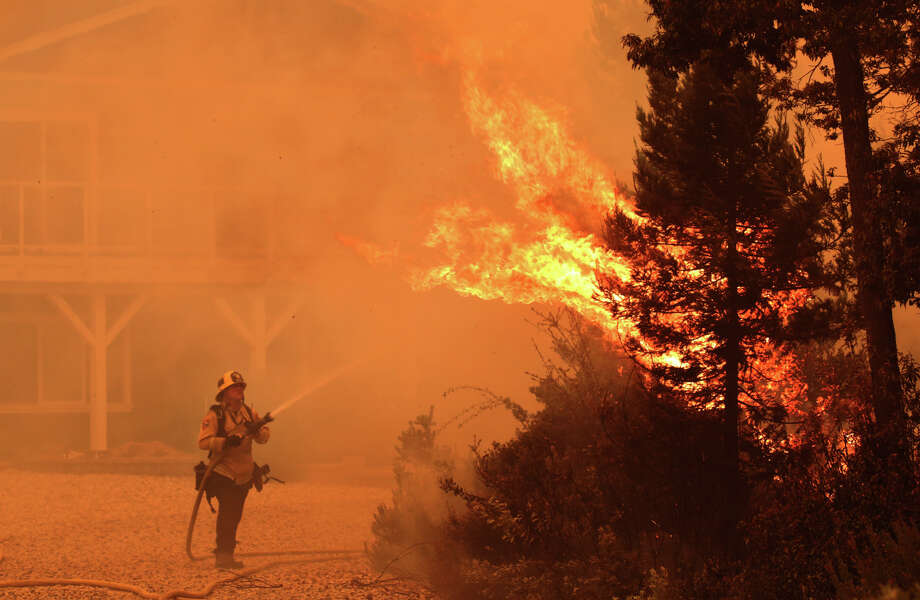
(700, 276)
(860, 53)
(726, 247)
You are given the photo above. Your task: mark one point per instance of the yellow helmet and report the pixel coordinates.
(228, 379)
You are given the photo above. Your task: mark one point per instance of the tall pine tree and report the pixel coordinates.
(731, 225)
(855, 47)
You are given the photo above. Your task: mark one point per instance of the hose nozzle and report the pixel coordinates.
(252, 428)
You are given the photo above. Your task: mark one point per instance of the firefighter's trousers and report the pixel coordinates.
(230, 498)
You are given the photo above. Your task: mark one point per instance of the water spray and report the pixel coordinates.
(314, 385)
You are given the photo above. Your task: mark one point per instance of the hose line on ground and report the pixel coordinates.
(125, 587)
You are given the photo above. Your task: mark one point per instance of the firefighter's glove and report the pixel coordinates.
(233, 441)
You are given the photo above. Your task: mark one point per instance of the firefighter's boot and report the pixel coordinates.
(225, 560)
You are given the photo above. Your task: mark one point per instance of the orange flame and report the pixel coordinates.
(550, 251)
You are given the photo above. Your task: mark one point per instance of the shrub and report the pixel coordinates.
(611, 491)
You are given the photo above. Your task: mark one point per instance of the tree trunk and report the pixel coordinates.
(733, 357)
(732, 366)
(734, 500)
(732, 362)
(874, 301)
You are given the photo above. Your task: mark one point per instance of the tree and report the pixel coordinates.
(730, 229)
(898, 164)
(861, 37)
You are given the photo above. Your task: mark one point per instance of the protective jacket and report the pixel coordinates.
(237, 461)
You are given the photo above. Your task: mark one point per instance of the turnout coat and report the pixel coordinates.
(237, 462)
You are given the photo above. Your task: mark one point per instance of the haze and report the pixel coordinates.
(214, 150)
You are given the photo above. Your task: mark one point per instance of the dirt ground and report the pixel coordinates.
(131, 529)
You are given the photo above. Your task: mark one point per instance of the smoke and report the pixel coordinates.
(245, 128)
(242, 129)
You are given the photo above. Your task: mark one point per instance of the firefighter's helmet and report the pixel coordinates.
(229, 379)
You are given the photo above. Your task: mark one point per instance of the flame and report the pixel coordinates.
(538, 261)
(550, 250)
(536, 156)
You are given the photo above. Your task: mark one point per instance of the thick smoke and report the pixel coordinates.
(245, 128)
(253, 127)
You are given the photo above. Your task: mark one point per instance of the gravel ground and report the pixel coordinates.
(131, 529)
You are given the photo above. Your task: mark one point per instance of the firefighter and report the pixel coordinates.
(224, 430)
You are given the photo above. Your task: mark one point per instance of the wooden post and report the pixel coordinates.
(98, 404)
(99, 338)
